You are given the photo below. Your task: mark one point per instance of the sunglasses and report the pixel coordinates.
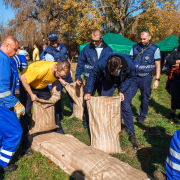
(144, 30)
(95, 40)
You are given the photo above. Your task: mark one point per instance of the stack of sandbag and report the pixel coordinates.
(105, 123)
(43, 116)
(76, 93)
(81, 161)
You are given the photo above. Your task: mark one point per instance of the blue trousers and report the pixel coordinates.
(10, 135)
(108, 88)
(98, 87)
(58, 107)
(25, 120)
(144, 84)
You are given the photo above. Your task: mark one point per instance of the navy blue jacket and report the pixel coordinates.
(145, 62)
(7, 82)
(88, 58)
(61, 54)
(100, 69)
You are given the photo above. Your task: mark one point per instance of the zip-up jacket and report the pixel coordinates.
(101, 69)
(175, 55)
(172, 165)
(88, 58)
(7, 82)
(145, 62)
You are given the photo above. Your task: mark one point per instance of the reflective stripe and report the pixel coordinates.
(7, 152)
(174, 153)
(4, 159)
(21, 110)
(7, 93)
(173, 165)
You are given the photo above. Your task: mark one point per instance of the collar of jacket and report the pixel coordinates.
(56, 48)
(103, 45)
(123, 60)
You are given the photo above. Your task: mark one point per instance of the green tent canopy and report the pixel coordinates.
(117, 42)
(168, 44)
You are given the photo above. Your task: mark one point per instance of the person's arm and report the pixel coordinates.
(35, 55)
(54, 87)
(171, 59)
(49, 57)
(27, 87)
(158, 71)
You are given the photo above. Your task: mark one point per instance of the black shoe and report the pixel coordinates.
(27, 152)
(60, 131)
(10, 168)
(141, 122)
(85, 126)
(132, 138)
(172, 116)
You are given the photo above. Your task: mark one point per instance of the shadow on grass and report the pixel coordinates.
(150, 157)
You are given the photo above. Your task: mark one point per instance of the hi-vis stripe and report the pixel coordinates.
(7, 93)
(4, 159)
(177, 156)
(7, 152)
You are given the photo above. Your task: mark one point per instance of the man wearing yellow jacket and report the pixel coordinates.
(35, 79)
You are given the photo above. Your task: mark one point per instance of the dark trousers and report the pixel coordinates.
(108, 89)
(175, 94)
(144, 84)
(98, 87)
(25, 120)
(58, 107)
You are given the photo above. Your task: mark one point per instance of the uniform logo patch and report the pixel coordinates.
(147, 57)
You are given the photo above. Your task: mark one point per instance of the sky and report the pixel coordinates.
(5, 14)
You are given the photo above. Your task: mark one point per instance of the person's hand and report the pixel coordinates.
(62, 81)
(54, 90)
(71, 73)
(87, 96)
(33, 97)
(121, 96)
(155, 84)
(19, 108)
(78, 82)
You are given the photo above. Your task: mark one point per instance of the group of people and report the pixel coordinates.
(103, 69)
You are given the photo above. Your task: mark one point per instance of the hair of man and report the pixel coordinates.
(63, 65)
(113, 64)
(97, 32)
(10, 40)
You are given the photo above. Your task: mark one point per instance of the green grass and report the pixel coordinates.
(153, 139)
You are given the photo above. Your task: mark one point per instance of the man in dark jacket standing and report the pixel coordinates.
(86, 61)
(57, 52)
(117, 70)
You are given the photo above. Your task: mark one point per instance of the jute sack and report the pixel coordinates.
(58, 148)
(76, 93)
(97, 165)
(105, 123)
(43, 116)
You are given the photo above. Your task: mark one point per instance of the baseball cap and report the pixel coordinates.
(23, 52)
(52, 36)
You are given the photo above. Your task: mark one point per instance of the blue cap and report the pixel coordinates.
(52, 36)
(23, 52)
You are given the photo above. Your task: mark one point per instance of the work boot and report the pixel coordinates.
(58, 122)
(27, 151)
(10, 168)
(132, 138)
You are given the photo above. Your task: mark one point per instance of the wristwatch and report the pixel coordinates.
(157, 79)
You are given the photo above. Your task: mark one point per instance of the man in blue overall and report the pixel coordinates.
(146, 57)
(88, 57)
(118, 71)
(172, 165)
(10, 129)
(57, 52)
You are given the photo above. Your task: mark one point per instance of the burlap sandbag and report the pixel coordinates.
(43, 116)
(76, 93)
(97, 165)
(105, 123)
(58, 148)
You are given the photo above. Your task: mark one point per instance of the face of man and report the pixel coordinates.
(96, 40)
(34, 46)
(54, 43)
(145, 38)
(60, 74)
(12, 49)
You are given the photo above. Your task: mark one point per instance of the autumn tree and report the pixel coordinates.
(116, 13)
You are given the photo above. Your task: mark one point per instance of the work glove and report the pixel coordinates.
(19, 108)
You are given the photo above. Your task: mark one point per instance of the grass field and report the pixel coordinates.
(153, 139)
